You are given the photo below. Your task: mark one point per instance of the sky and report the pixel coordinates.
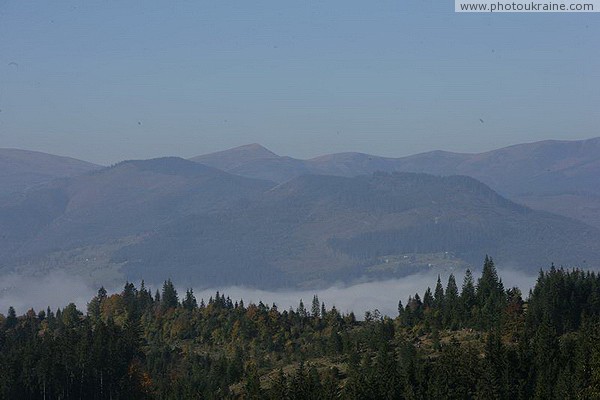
(111, 80)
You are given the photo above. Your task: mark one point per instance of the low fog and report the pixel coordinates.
(368, 296)
(59, 289)
(56, 289)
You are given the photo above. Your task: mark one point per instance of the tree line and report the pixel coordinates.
(473, 340)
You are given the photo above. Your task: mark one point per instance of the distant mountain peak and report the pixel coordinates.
(256, 147)
(232, 158)
(252, 150)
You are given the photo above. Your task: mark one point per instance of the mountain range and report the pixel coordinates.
(23, 169)
(562, 177)
(247, 216)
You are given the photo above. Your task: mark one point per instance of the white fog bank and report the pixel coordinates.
(380, 295)
(59, 289)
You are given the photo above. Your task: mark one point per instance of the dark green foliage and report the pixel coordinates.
(11, 318)
(485, 342)
(563, 299)
(189, 303)
(452, 306)
(316, 307)
(75, 360)
(467, 297)
(490, 296)
(169, 295)
(438, 296)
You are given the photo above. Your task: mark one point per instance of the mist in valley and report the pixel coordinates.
(58, 289)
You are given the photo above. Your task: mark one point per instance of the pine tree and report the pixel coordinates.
(467, 299)
(169, 295)
(451, 308)
(252, 387)
(189, 303)
(490, 295)
(301, 310)
(546, 350)
(488, 285)
(494, 367)
(279, 386)
(299, 389)
(145, 299)
(11, 318)
(331, 388)
(316, 307)
(438, 297)
(129, 296)
(101, 294)
(70, 315)
(93, 308)
(428, 300)
(313, 383)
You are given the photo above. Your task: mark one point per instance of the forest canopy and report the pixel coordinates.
(470, 339)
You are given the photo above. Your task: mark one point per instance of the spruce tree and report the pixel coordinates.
(316, 307)
(252, 386)
(169, 295)
(488, 285)
(428, 300)
(438, 295)
(451, 306)
(301, 310)
(467, 298)
(279, 387)
(11, 318)
(490, 295)
(189, 303)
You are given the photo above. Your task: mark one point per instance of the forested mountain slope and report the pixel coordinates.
(318, 229)
(474, 339)
(113, 205)
(557, 176)
(173, 217)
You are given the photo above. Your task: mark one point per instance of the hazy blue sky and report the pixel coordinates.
(109, 80)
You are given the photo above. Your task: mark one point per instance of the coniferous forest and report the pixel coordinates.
(460, 340)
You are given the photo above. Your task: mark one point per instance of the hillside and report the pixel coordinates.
(546, 167)
(22, 169)
(173, 217)
(543, 168)
(111, 206)
(315, 230)
(562, 177)
(459, 341)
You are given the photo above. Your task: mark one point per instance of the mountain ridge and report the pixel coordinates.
(538, 174)
(23, 169)
(174, 217)
(313, 230)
